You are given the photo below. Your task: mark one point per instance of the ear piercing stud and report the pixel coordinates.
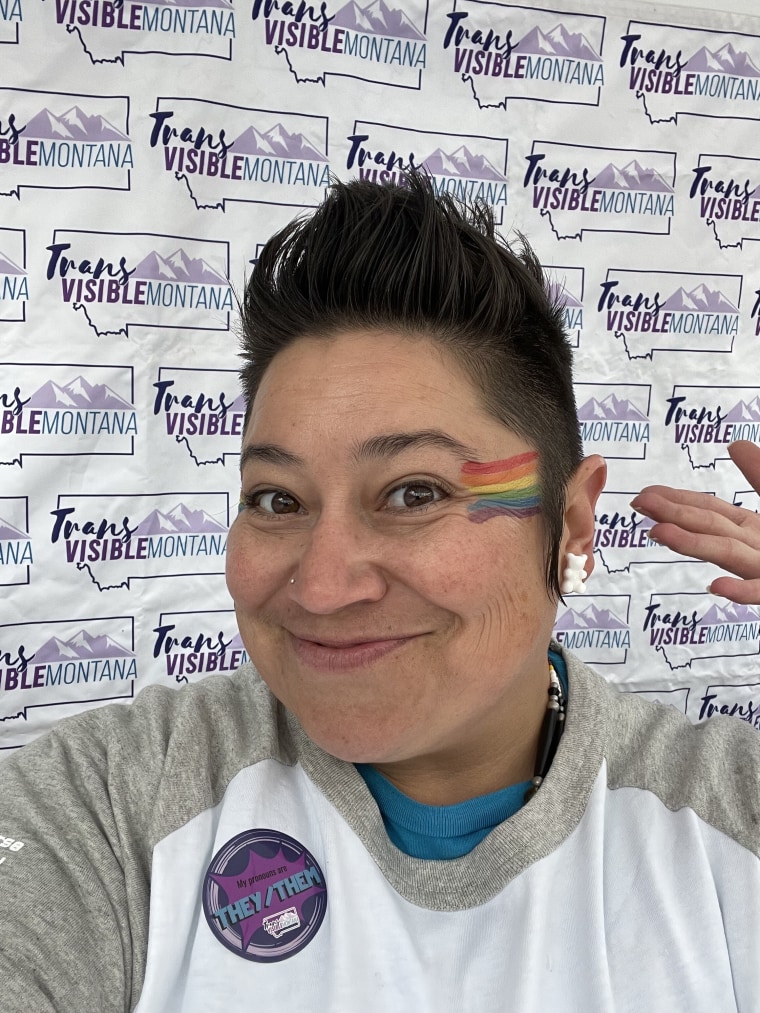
(573, 576)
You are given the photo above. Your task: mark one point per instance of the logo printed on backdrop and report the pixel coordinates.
(195, 644)
(687, 627)
(108, 30)
(678, 698)
(506, 52)
(725, 192)
(674, 70)
(264, 895)
(59, 141)
(614, 418)
(16, 556)
(704, 420)
(140, 279)
(736, 701)
(45, 667)
(669, 311)
(595, 627)
(567, 285)
(587, 189)
(65, 410)
(201, 411)
(14, 283)
(621, 535)
(119, 538)
(471, 168)
(371, 40)
(748, 499)
(11, 16)
(223, 152)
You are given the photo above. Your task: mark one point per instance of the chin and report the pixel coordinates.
(355, 741)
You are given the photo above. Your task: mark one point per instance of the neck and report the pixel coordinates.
(500, 752)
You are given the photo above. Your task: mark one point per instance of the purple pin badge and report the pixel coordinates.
(264, 895)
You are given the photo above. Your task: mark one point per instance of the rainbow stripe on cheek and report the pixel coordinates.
(504, 488)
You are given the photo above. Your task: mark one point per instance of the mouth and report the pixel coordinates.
(344, 655)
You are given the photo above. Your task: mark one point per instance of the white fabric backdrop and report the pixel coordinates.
(147, 150)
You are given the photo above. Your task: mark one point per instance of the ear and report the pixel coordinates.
(580, 503)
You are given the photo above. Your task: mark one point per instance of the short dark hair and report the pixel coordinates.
(406, 259)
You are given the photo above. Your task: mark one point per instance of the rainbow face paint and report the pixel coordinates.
(506, 488)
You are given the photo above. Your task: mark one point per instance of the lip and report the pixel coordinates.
(342, 656)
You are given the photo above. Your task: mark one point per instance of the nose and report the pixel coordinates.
(339, 566)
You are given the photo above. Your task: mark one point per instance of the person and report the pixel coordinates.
(415, 801)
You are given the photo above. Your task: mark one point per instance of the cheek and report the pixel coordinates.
(252, 569)
(234, 563)
(493, 571)
(441, 572)
(441, 569)
(500, 552)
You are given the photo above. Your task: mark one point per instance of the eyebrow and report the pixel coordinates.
(269, 453)
(392, 444)
(385, 445)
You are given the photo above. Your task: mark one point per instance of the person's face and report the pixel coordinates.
(376, 609)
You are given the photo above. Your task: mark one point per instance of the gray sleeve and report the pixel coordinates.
(65, 911)
(90, 801)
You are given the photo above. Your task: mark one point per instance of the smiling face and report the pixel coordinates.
(398, 619)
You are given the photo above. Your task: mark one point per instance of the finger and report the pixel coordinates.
(729, 553)
(669, 492)
(746, 457)
(743, 592)
(698, 512)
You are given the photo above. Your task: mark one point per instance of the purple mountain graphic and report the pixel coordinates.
(236, 644)
(611, 408)
(7, 266)
(278, 143)
(178, 267)
(81, 646)
(632, 176)
(726, 60)
(743, 412)
(377, 18)
(559, 294)
(700, 300)
(717, 615)
(558, 42)
(78, 393)
(179, 520)
(73, 125)
(238, 405)
(644, 523)
(463, 163)
(591, 618)
(8, 533)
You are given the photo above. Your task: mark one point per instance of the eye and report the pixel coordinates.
(415, 495)
(273, 501)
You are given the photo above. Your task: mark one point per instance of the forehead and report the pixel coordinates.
(365, 380)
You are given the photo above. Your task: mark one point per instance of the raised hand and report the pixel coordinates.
(705, 527)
